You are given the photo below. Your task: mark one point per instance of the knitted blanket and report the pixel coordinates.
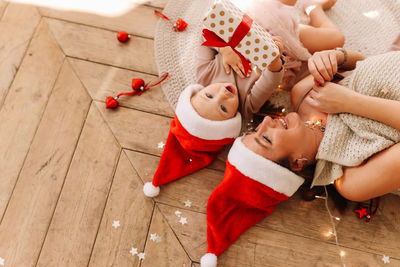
(370, 26)
(351, 139)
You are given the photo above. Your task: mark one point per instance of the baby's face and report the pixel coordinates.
(217, 102)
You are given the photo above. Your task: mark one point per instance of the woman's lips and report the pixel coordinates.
(284, 122)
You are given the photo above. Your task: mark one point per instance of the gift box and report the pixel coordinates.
(255, 44)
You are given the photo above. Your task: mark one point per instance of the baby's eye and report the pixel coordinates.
(267, 139)
(223, 108)
(209, 95)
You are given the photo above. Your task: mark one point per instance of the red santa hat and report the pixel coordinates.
(252, 187)
(193, 142)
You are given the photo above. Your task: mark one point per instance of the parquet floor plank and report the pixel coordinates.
(264, 247)
(72, 231)
(133, 210)
(34, 198)
(168, 252)
(24, 106)
(102, 46)
(177, 192)
(135, 19)
(136, 130)
(115, 80)
(16, 29)
(374, 237)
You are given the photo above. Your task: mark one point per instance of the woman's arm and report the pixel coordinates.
(376, 177)
(375, 108)
(334, 98)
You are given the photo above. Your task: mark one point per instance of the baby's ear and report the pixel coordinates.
(298, 164)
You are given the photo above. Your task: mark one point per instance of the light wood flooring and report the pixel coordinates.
(69, 167)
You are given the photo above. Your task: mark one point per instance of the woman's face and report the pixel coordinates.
(283, 138)
(218, 101)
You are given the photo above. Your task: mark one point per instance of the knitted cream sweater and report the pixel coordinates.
(351, 139)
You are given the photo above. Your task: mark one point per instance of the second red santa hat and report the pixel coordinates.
(252, 187)
(193, 142)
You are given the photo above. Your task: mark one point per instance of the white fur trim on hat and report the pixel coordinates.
(263, 170)
(208, 260)
(150, 190)
(201, 127)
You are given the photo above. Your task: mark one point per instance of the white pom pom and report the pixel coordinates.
(150, 190)
(208, 260)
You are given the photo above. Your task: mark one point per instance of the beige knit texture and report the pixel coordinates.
(351, 139)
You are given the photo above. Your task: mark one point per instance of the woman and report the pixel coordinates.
(366, 148)
(258, 176)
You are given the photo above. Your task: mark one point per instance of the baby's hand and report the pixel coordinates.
(276, 64)
(323, 65)
(231, 60)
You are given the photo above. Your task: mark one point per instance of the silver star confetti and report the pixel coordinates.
(116, 224)
(385, 259)
(161, 145)
(133, 251)
(1, 261)
(141, 255)
(183, 220)
(155, 238)
(188, 203)
(178, 213)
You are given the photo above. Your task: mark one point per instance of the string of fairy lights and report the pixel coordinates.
(332, 220)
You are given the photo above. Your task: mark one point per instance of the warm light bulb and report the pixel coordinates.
(342, 253)
(328, 234)
(337, 218)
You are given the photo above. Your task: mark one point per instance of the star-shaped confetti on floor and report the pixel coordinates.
(141, 255)
(156, 238)
(188, 203)
(1, 261)
(385, 259)
(161, 145)
(116, 224)
(183, 220)
(178, 213)
(133, 251)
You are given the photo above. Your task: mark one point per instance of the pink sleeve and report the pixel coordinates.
(261, 91)
(206, 65)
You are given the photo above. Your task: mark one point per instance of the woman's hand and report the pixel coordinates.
(331, 98)
(323, 65)
(231, 60)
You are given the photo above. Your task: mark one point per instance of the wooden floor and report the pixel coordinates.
(71, 170)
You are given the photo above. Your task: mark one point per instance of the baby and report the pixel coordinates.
(226, 91)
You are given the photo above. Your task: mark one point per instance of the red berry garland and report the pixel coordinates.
(138, 87)
(179, 25)
(123, 37)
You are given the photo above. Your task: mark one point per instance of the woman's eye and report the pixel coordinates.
(223, 108)
(209, 95)
(267, 139)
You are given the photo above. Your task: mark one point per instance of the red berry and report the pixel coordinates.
(122, 37)
(111, 102)
(180, 25)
